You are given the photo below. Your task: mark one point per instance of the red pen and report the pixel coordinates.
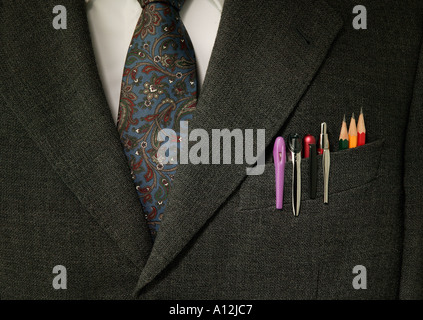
(309, 144)
(307, 141)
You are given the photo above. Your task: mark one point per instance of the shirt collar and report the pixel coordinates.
(218, 4)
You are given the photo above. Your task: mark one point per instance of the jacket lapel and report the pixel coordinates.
(57, 97)
(264, 58)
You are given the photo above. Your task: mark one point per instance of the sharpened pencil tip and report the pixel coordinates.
(353, 116)
(344, 120)
(361, 110)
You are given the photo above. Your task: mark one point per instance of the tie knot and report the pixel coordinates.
(174, 3)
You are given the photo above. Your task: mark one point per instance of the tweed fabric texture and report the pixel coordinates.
(62, 204)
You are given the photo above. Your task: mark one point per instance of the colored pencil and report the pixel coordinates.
(343, 136)
(352, 133)
(361, 130)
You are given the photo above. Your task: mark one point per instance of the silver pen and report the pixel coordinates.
(294, 145)
(324, 145)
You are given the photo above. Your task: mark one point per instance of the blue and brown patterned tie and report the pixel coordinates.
(159, 89)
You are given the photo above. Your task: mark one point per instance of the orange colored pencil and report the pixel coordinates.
(352, 133)
(361, 130)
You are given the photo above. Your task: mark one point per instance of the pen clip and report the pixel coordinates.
(326, 167)
(294, 143)
(279, 158)
(325, 161)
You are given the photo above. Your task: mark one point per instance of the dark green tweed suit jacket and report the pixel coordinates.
(67, 197)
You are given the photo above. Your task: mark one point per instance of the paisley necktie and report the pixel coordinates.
(159, 89)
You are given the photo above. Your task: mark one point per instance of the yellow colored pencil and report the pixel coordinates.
(352, 133)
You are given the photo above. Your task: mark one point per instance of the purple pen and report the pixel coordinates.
(279, 157)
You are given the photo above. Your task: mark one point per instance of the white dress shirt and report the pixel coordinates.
(112, 23)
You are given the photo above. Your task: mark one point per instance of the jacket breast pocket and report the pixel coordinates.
(349, 169)
(312, 255)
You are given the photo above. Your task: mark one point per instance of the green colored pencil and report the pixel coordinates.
(343, 136)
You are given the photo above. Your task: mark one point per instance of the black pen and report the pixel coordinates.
(309, 151)
(313, 171)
